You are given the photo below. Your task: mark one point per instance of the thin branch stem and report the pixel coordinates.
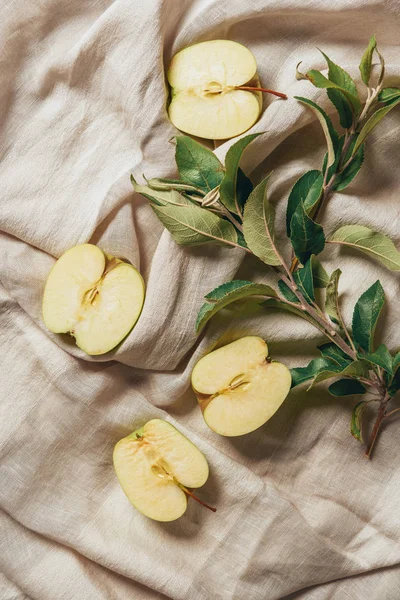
(395, 410)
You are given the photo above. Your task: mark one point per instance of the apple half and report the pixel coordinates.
(238, 387)
(95, 297)
(203, 80)
(156, 465)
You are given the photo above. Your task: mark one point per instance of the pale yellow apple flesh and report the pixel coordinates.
(155, 465)
(238, 387)
(94, 297)
(203, 79)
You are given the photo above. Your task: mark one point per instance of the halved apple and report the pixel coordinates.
(238, 387)
(155, 466)
(95, 297)
(203, 80)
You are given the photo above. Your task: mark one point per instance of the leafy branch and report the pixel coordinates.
(215, 203)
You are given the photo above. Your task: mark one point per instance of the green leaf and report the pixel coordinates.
(387, 95)
(191, 225)
(376, 245)
(366, 61)
(303, 374)
(160, 185)
(339, 76)
(258, 225)
(233, 196)
(330, 134)
(394, 386)
(276, 303)
(320, 81)
(334, 166)
(197, 165)
(161, 198)
(357, 368)
(320, 276)
(342, 106)
(307, 237)
(344, 178)
(307, 189)
(356, 423)
(373, 122)
(227, 293)
(335, 354)
(332, 297)
(305, 281)
(366, 315)
(287, 292)
(346, 387)
(380, 357)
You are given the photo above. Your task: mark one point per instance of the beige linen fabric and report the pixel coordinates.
(301, 514)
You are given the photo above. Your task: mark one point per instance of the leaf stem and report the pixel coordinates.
(192, 495)
(260, 89)
(376, 429)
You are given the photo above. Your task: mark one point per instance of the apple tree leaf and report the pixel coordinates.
(342, 106)
(307, 189)
(320, 81)
(227, 293)
(332, 297)
(302, 374)
(191, 225)
(380, 357)
(346, 387)
(305, 281)
(388, 95)
(394, 385)
(377, 245)
(356, 420)
(160, 184)
(287, 292)
(372, 122)
(335, 354)
(159, 197)
(357, 368)
(366, 61)
(307, 237)
(235, 186)
(344, 178)
(258, 225)
(320, 276)
(197, 165)
(330, 134)
(366, 314)
(280, 305)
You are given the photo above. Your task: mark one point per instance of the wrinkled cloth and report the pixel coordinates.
(301, 513)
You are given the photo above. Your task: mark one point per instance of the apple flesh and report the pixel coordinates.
(238, 387)
(95, 297)
(155, 466)
(205, 97)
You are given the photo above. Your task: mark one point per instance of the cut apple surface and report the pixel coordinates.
(238, 387)
(95, 297)
(155, 466)
(203, 80)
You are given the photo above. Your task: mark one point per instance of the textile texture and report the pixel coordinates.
(301, 513)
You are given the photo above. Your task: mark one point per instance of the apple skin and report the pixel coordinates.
(94, 297)
(204, 99)
(238, 387)
(139, 459)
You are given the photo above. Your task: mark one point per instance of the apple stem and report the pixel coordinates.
(259, 89)
(189, 493)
